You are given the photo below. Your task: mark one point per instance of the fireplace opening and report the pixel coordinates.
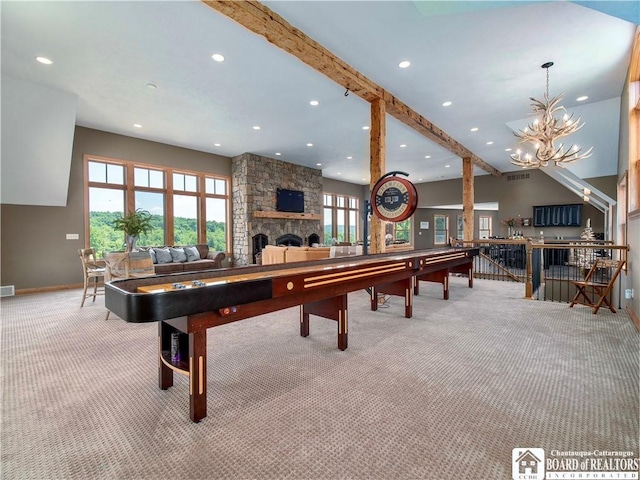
(289, 240)
(258, 241)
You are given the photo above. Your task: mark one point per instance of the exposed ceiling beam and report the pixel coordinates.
(261, 20)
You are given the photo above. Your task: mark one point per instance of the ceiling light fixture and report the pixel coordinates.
(474, 129)
(152, 86)
(404, 64)
(582, 98)
(366, 127)
(314, 102)
(309, 144)
(44, 60)
(217, 57)
(278, 153)
(216, 144)
(137, 125)
(427, 156)
(547, 129)
(256, 127)
(489, 142)
(446, 104)
(403, 146)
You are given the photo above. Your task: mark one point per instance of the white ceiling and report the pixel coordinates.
(485, 57)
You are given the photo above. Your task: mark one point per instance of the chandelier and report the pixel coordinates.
(553, 122)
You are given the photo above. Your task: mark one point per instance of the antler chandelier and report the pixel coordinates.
(545, 130)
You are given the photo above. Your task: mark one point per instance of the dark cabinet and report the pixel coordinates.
(557, 216)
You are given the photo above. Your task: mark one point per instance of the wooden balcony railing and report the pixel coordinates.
(545, 269)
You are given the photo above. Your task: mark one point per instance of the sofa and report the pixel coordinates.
(272, 254)
(188, 258)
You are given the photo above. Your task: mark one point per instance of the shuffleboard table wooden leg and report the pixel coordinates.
(198, 375)
(165, 374)
(374, 299)
(445, 286)
(304, 322)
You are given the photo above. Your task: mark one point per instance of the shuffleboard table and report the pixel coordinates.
(186, 305)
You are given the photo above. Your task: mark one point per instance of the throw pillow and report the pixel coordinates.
(192, 254)
(177, 254)
(153, 255)
(163, 255)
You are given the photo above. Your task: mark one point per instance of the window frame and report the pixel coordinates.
(129, 188)
(346, 205)
(436, 231)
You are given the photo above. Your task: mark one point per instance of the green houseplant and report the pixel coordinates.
(133, 224)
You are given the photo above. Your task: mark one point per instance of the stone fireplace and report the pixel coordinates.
(256, 223)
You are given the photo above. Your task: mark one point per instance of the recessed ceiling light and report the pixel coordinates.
(152, 86)
(217, 57)
(256, 127)
(366, 127)
(446, 104)
(349, 158)
(447, 166)
(403, 146)
(582, 98)
(339, 173)
(427, 156)
(507, 149)
(314, 102)
(419, 179)
(474, 129)
(489, 142)
(404, 64)
(44, 60)
(278, 153)
(318, 164)
(137, 125)
(216, 144)
(309, 144)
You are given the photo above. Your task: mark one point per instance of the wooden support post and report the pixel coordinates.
(377, 167)
(467, 199)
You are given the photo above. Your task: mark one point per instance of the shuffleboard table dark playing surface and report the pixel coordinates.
(186, 305)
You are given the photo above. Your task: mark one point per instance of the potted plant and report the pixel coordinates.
(133, 224)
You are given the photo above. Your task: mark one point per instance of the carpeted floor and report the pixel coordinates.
(444, 395)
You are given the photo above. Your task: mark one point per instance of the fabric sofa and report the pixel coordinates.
(273, 254)
(188, 258)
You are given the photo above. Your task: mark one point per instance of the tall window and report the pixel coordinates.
(186, 207)
(484, 226)
(341, 213)
(441, 229)
(402, 231)
(460, 234)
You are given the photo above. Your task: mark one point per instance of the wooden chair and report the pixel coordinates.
(593, 293)
(93, 274)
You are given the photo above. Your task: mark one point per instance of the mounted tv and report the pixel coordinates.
(289, 200)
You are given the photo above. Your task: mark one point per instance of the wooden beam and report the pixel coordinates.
(263, 21)
(467, 199)
(377, 147)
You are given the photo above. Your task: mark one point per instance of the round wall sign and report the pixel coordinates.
(394, 199)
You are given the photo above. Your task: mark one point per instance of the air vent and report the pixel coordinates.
(518, 176)
(8, 291)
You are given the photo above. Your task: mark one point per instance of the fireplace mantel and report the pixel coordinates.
(286, 215)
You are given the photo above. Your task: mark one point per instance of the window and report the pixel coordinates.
(460, 228)
(402, 231)
(484, 228)
(186, 207)
(441, 229)
(341, 213)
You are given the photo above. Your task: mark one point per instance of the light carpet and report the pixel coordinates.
(444, 395)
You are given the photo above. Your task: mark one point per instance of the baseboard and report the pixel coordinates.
(634, 316)
(28, 291)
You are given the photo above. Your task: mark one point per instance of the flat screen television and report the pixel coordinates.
(289, 200)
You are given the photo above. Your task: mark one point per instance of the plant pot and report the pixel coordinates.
(131, 241)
